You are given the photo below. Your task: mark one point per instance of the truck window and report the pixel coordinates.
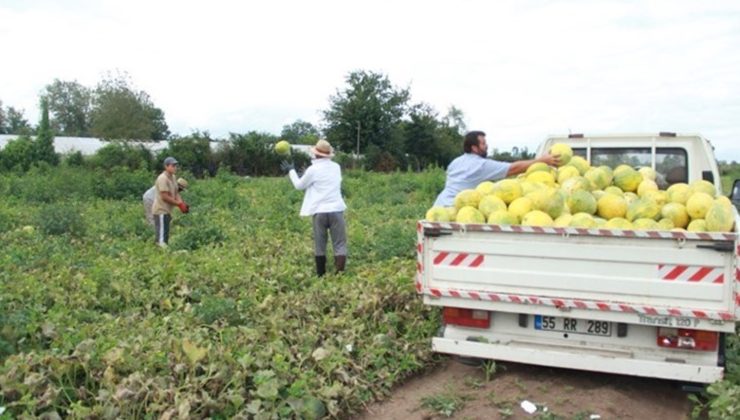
(671, 163)
(615, 156)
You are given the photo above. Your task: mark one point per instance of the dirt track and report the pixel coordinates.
(566, 393)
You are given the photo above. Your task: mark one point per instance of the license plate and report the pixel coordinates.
(572, 325)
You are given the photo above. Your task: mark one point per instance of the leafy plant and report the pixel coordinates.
(445, 404)
(55, 219)
(489, 369)
(229, 322)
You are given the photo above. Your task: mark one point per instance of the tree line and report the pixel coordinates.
(370, 121)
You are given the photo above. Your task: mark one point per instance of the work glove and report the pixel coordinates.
(183, 207)
(287, 166)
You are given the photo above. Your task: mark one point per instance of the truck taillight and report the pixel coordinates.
(466, 317)
(678, 338)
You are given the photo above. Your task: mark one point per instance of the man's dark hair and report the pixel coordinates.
(472, 139)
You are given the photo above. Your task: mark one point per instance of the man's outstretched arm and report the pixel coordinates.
(522, 165)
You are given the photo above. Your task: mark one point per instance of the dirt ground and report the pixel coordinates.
(567, 394)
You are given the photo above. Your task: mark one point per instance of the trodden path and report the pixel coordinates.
(567, 394)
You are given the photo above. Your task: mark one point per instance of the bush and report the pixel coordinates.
(198, 230)
(380, 160)
(61, 219)
(193, 154)
(46, 186)
(121, 184)
(117, 154)
(74, 159)
(253, 154)
(17, 154)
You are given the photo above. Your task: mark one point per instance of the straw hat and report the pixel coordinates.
(323, 149)
(182, 183)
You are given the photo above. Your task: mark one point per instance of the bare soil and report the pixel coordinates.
(568, 394)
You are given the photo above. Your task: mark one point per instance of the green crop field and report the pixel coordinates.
(95, 320)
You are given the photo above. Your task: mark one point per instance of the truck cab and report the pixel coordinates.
(645, 303)
(675, 157)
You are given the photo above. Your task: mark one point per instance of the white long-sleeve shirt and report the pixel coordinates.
(323, 185)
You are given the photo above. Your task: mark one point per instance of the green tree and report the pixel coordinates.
(17, 122)
(300, 132)
(70, 104)
(3, 120)
(514, 155)
(420, 134)
(373, 108)
(455, 118)
(124, 113)
(43, 145)
(430, 140)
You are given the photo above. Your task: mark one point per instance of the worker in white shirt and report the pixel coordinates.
(149, 195)
(323, 201)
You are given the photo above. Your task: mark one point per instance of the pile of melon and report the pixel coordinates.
(579, 195)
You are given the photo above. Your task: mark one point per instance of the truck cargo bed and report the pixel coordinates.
(644, 277)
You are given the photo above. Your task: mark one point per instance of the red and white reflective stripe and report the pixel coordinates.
(581, 304)
(419, 257)
(458, 259)
(692, 274)
(652, 234)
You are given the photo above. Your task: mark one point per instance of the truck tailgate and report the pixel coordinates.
(643, 273)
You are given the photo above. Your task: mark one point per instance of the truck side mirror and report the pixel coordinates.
(735, 194)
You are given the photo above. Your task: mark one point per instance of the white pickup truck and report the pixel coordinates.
(644, 303)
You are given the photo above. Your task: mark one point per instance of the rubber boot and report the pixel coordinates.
(320, 265)
(339, 262)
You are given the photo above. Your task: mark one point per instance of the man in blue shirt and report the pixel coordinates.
(473, 167)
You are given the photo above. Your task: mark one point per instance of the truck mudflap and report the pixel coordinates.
(673, 272)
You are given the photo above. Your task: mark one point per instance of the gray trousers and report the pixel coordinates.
(324, 223)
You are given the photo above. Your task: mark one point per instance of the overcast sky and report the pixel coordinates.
(519, 70)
